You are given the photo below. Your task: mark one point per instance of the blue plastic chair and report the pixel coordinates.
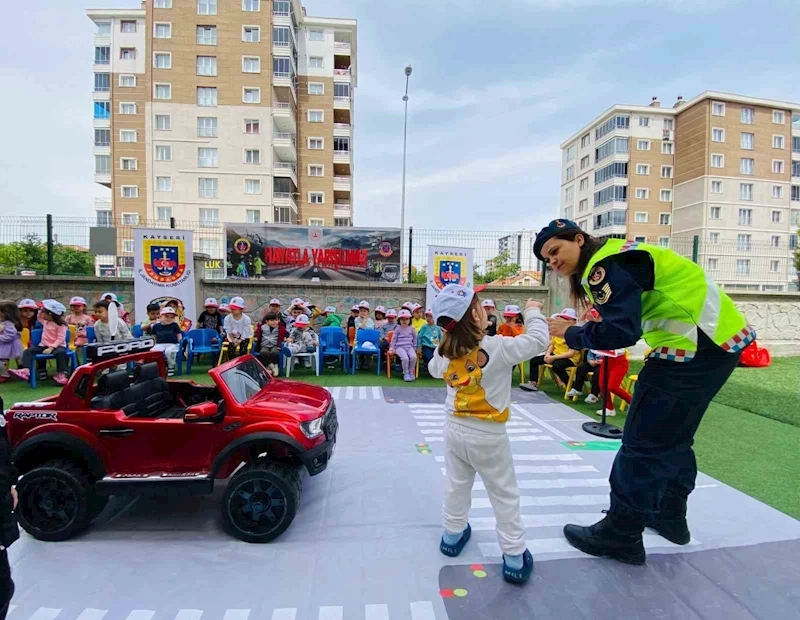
(90, 338)
(36, 340)
(137, 332)
(198, 342)
(333, 343)
(362, 337)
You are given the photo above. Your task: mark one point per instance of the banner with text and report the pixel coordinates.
(447, 265)
(163, 271)
(261, 251)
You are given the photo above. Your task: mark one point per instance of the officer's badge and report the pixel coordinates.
(603, 294)
(560, 224)
(596, 276)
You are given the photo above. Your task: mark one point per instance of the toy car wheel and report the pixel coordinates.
(261, 501)
(53, 501)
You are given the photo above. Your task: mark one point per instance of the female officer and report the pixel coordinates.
(696, 335)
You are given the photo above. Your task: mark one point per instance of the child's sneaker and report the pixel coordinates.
(610, 413)
(591, 399)
(573, 393)
(170, 372)
(529, 387)
(519, 576)
(60, 378)
(24, 374)
(455, 548)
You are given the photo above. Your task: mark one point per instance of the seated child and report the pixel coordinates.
(10, 345)
(210, 318)
(363, 321)
(589, 366)
(295, 311)
(404, 345)
(275, 306)
(380, 317)
(168, 336)
(510, 327)
(269, 338)
(301, 339)
(417, 322)
(351, 320)
(385, 330)
(489, 306)
(238, 328)
(53, 342)
(78, 317)
(153, 317)
(102, 334)
(558, 355)
(123, 315)
(224, 311)
(331, 319)
(429, 337)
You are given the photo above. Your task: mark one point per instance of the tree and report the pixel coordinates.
(31, 253)
(797, 260)
(498, 268)
(418, 276)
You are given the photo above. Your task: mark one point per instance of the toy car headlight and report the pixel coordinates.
(312, 429)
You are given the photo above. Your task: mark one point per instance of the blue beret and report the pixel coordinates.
(554, 228)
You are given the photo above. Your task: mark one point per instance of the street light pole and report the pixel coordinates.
(403, 199)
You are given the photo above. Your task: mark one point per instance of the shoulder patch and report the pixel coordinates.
(597, 275)
(603, 294)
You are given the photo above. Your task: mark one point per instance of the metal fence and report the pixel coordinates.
(61, 246)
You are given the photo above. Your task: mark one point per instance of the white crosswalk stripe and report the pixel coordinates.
(560, 545)
(535, 457)
(284, 614)
(356, 393)
(189, 614)
(331, 613)
(428, 420)
(376, 612)
(531, 438)
(92, 614)
(236, 614)
(558, 483)
(550, 469)
(510, 431)
(487, 524)
(141, 614)
(420, 610)
(45, 613)
(549, 500)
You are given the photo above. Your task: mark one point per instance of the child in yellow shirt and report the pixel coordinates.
(558, 355)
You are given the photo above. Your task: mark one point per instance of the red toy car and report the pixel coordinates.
(120, 428)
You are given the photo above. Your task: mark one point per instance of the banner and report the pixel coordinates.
(447, 265)
(261, 251)
(163, 271)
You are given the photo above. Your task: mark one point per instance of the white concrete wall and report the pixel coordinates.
(121, 39)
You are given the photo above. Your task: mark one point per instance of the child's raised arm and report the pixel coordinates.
(530, 344)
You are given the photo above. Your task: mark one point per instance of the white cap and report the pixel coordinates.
(297, 301)
(452, 302)
(167, 310)
(363, 304)
(511, 310)
(391, 313)
(27, 303)
(488, 303)
(404, 314)
(330, 310)
(429, 312)
(224, 307)
(111, 295)
(416, 307)
(56, 307)
(274, 302)
(568, 313)
(408, 305)
(301, 320)
(380, 309)
(354, 308)
(77, 301)
(236, 302)
(210, 303)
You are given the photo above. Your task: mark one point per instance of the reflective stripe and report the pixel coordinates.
(672, 354)
(672, 326)
(740, 341)
(709, 316)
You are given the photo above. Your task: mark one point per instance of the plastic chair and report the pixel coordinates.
(333, 343)
(288, 361)
(36, 339)
(25, 338)
(73, 329)
(137, 332)
(198, 342)
(224, 353)
(364, 336)
(389, 359)
(90, 338)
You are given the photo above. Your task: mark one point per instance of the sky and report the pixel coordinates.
(495, 88)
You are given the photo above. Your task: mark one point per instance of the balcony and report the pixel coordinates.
(342, 210)
(103, 176)
(342, 130)
(341, 157)
(341, 103)
(284, 199)
(283, 116)
(342, 184)
(281, 18)
(285, 169)
(285, 145)
(341, 47)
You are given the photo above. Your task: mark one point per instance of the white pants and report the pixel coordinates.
(170, 351)
(468, 451)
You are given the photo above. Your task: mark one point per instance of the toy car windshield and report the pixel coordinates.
(246, 379)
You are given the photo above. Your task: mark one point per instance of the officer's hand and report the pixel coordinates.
(534, 304)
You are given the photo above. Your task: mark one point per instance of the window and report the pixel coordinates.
(777, 192)
(665, 219)
(717, 161)
(252, 216)
(669, 124)
(163, 122)
(209, 217)
(251, 64)
(163, 152)
(162, 4)
(615, 122)
(129, 191)
(716, 187)
(251, 6)
(251, 34)
(663, 242)
(162, 60)
(208, 188)
(743, 243)
(583, 205)
(745, 217)
(717, 108)
(252, 156)
(206, 7)
(316, 170)
(570, 173)
(252, 126)
(315, 144)
(127, 135)
(584, 184)
(747, 116)
(795, 144)
(207, 158)
(568, 193)
(795, 168)
(643, 145)
(341, 145)
(642, 169)
(162, 91)
(585, 140)
(717, 135)
(103, 29)
(127, 163)
(644, 121)
(162, 31)
(282, 67)
(281, 37)
(102, 82)
(793, 242)
(316, 88)
(126, 80)
(614, 217)
(283, 215)
(615, 193)
(206, 96)
(130, 219)
(776, 217)
(667, 148)
(341, 221)
(642, 194)
(127, 108)
(666, 172)
(747, 141)
(584, 162)
(778, 117)
(102, 137)
(127, 53)
(743, 266)
(712, 264)
(127, 26)
(316, 116)
(316, 35)
(163, 214)
(641, 217)
(127, 245)
(774, 266)
(777, 166)
(778, 142)
(207, 126)
(102, 55)
(713, 238)
(746, 166)
(252, 186)
(316, 221)
(251, 95)
(665, 195)
(315, 62)
(775, 241)
(206, 65)
(316, 198)
(795, 192)
(716, 213)
(614, 145)
(568, 213)
(163, 184)
(640, 239)
(206, 35)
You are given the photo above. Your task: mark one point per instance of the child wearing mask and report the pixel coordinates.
(429, 337)
(54, 342)
(168, 336)
(510, 327)
(302, 339)
(153, 317)
(210, 318)
(238, 328)
(404, 345)
(78, 318)
(10, 345)
(269, 338)
(102, 333)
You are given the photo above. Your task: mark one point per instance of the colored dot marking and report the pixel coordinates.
(446, 593)
(461, 592)
(480, 574)
(476, 567)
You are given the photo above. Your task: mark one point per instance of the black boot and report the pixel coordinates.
(670, 523)
(616, 536)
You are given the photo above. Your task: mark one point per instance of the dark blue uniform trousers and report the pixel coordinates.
(656, 456)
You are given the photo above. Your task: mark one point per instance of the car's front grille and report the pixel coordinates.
(331, 422)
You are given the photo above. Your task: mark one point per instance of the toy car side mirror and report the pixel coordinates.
(202, 412)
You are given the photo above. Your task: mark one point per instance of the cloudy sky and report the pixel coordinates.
(496, 87)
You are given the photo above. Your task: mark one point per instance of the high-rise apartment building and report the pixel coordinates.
(717, 177)
(224, 111)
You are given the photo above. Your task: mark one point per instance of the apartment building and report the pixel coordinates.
(716, 177)
(519, 246)
(217, 111)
